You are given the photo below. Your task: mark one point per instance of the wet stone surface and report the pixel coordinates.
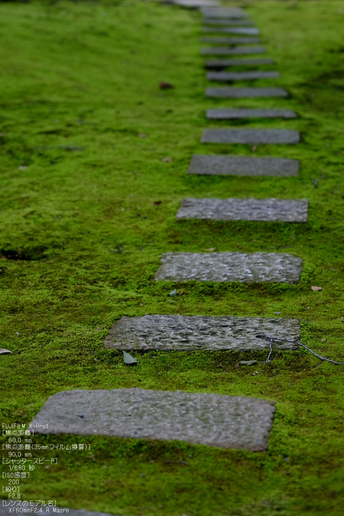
(245, 92)
(243, 166)
(218, 267)
(241, 76)
(225, 51)
(198, 332)
(251, 136)
(263, 210)
(229, 114)
(209, 419)
(223, 63)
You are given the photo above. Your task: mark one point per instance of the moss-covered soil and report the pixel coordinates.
(88, 206)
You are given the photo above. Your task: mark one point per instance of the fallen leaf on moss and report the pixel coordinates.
(128, 359)
(4, 351)
(166, 86)
(210, 250)
(173, 293)
(316, 289)
(247, 362)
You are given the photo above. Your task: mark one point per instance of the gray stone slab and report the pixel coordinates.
(233, 114)
(224, 63)
(229, 41)
(198, 332)
(193, 4)
(219, 267)
(235, 93)
(258, 210)
(250, 136)
(227, 21)
(243, 166)
(210, 419)
(15, 507)
(248, 31)
(224, 12)
(241, 76)
(227, 51)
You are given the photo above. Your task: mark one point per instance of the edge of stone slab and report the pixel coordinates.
(228, 92)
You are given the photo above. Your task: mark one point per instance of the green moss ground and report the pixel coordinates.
(90, 236)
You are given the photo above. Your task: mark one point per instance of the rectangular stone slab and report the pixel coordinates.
(224, 12)
(235, 93)
(194, 4)
(251, 136)
(210, 419)
(224, 63)
(258, 210)
(219, 267)
(225, 51)
(241, 76)
(229, 41)
(243, 166)
(200, 332)
(227, 21)
(248, 31)
(233, 114)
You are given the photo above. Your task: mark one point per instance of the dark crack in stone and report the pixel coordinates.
(218, 267)
(227, 51)
(198, 332)
(230, 114)
(224, 63)
(236, 93)
(210, 419)
(251, 136)
(259, 210)
(243, 166)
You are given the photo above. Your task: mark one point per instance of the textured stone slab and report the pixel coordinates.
(210, 419)
(230, 114)
(235, 93)
(224, 12)
(193, 4)
(224, 63)
(218, 267)
(225, 51)
(248, 31)
(259, 210)
(243, 166)
(227, 21)
(241, 76)
(11, 506)
(229, 41)
(198, 332)
(250, 136)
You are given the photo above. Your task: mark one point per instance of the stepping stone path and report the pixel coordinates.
(223, 267)
(263, 210)
(224, 63)
(232, 30)
(236, 93)
(232, 51)
(230, 41)
(233, 114)
(185, 333)
(240, 76)
(242, 166)
(212, 419)
(250, 136)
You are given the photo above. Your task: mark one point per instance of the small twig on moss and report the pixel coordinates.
(275, 339)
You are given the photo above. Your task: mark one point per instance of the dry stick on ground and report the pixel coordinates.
(275, 339)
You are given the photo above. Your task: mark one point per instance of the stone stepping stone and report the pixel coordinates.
(225, 51)
(249, 31)
(224, 63)
(241, 76)
(257, 210)
(42, 510)
(233, 114)
(224, 267)
(226, 21)
(224, 12)
(250, 136)
(198, 332)
(210, 419)
(236, 93)
(242, 166)
(229, 41)
(194, 4)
